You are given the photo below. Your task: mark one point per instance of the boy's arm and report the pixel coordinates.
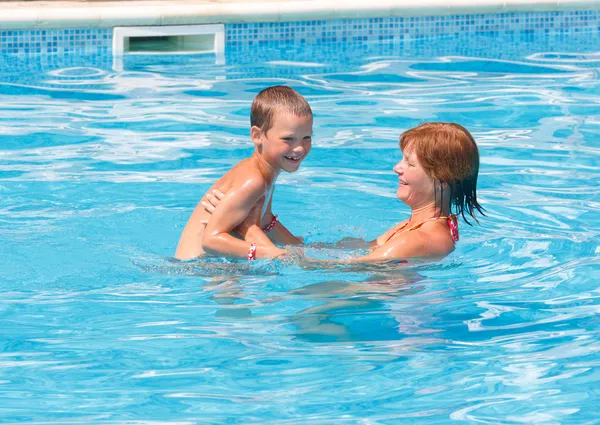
(231, 211)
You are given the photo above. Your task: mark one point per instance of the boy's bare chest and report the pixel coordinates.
(268, 196)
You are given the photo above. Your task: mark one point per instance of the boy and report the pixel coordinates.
(281, 129)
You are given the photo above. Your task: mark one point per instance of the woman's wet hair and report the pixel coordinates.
(448, 154)
(277, 99)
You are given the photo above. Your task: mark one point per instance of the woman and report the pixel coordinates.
(437, 179)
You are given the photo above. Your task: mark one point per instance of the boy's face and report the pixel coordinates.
(287, 142)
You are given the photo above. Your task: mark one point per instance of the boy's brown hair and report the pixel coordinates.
(276, 99)
(449, 154)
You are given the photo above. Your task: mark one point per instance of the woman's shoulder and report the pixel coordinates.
(436, 237)
(432, 239)
(385, 237)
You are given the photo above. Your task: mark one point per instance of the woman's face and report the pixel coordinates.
(415, 187)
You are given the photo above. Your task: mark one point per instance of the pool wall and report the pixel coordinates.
(396, 29)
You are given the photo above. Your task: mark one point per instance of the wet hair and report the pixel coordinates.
(277, 99)
(448, 154)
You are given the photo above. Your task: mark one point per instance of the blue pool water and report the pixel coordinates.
(99, 171)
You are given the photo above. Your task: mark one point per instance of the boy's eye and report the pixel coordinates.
(288, 139)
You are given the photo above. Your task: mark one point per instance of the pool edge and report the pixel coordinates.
(71, 14)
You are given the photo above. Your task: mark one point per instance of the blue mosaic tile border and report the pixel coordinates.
(59, 41)
(407, 28)
(246, 35)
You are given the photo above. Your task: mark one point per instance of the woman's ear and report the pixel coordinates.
(441, 185)
(443, 189)
(256, 135)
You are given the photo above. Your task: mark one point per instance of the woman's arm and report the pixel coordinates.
(346, 243)
(401, 247)
(420, 243)
(358, 243)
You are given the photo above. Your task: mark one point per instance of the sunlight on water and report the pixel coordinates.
(99, 171)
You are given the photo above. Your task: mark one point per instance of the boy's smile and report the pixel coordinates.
(295, 158)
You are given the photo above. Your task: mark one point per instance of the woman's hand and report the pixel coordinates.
(253, 219)
(212, 200)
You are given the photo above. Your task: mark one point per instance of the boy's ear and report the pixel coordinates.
(256, 136)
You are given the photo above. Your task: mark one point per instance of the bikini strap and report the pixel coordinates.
(451, 220)
(416, 226)
(453, 225)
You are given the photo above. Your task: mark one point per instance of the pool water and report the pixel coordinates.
(99, 171)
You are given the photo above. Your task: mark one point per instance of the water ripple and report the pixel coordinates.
(99, 171)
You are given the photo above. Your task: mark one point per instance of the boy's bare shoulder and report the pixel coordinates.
(248, 178)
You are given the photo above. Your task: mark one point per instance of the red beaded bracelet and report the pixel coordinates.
(252, 252)
(270, 226)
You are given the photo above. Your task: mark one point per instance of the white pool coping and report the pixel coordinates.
(106, 14)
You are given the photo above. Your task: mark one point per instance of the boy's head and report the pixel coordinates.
(277, 99)
(281, 122)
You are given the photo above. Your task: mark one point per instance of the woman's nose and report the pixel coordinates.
(398, 168)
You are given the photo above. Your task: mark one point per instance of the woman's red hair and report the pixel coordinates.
(449, 154)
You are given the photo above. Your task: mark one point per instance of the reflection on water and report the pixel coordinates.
(346, 311)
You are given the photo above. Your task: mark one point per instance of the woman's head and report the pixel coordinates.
(448, 155)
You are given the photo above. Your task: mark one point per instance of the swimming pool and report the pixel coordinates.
(99, 170)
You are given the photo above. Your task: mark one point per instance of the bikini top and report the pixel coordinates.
(451, 220)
